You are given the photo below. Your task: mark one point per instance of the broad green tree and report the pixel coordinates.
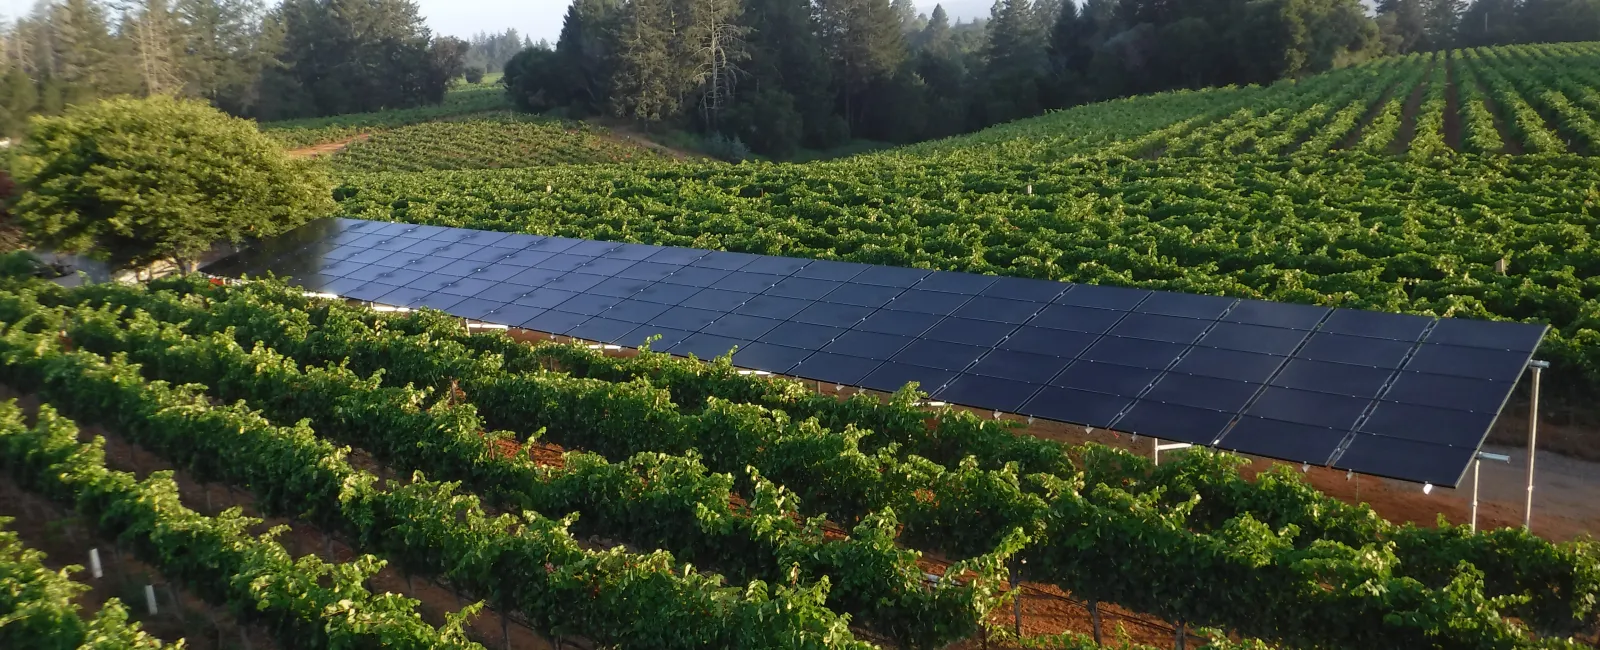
(135, 181)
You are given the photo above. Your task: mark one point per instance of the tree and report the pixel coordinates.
(83, 54)
(935, 34)
(1440, 21)
(19, 100)
(473, 74)
(906, 12)
(786, 52)
(1402, 23)
(534, 80)
(365, 55)
(1270, 42)
(647, 84)
(491, 51)
(865, 45)
(587, 50)
(712, 47)
(1014, 61)
(1489, 22)
(226, 50)
(134, 181)
(149, 28)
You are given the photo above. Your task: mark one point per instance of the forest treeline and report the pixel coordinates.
(778, 75)
(784, 74)
(298, 58)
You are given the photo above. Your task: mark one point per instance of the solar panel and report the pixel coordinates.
(1403, 396)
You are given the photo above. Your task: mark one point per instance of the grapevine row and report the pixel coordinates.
(1562, 580)
(318, 605)
(650, 500)
(524, 563)
(486, 142)
(1299, 128)
(1524, 120)
(1479, 133)
(1428, 139)
(36, 604)
(1166, 579)
(1558, 94)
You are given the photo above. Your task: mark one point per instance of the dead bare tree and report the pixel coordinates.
(716, 45)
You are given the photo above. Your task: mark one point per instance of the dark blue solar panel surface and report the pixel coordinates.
(1402, 396)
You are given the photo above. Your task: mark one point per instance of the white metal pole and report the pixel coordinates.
(1533, 440)
(1475, 463)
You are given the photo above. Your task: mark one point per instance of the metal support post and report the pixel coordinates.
(1533, 438)
(1476, 461)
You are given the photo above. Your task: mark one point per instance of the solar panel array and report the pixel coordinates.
(1401, 396)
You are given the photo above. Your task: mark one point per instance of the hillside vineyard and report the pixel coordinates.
(287, 461)
(662, 441)
(1357, 188)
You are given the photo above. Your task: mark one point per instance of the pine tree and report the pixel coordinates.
(1441, 19)
(20, 100)
(1046, 12)
(787, 56)
(935, 36)
(645, 84)
(587, 49)
(225, 50)
(865, 44)
(1014, 61)
(906, 12)
(84, 52)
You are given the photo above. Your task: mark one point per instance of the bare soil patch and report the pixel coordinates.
(326, 148)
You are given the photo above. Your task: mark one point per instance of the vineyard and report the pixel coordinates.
(466, 101)
(305, 472)
(488, 142)
(1329, 190)
(669, 503)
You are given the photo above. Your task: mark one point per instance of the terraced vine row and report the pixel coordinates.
(961, 512)
(488, 142)
(458, 102)
(949, 436)
(522, 563)
(318, 605)
(36, 604)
